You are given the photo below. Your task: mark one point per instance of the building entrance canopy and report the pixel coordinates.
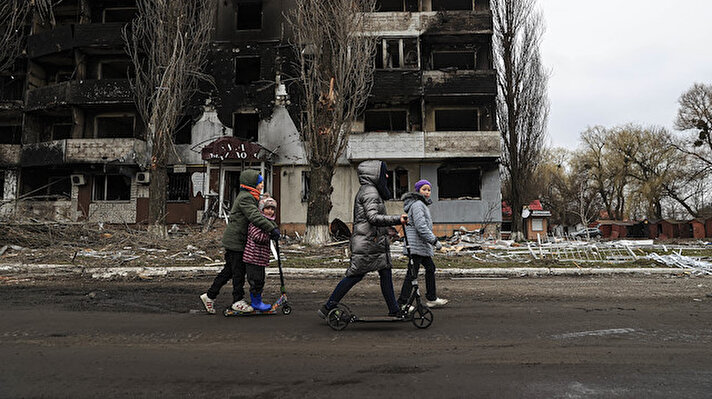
(235, 149)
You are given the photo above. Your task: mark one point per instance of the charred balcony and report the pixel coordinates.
(458, 82)
(393, 84)
(68, 37)
(429, 22)
(123, 151)
(424, 145)
(81, 93)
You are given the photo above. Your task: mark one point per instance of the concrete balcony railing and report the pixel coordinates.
(67, 37)
(122, 151)
(471, 144)
(460, 82)
(428, 22)
(423, 145)
(85, 92)
(9, 154)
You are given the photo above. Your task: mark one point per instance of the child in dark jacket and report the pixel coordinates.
(244, 211)
(256, 256)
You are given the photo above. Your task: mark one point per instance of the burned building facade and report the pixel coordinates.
(71, 139)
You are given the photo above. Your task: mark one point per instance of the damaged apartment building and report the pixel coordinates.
(73, 143)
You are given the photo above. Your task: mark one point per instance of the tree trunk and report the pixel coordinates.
(319, 205)
(157, 201)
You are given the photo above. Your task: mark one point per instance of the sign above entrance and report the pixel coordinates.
(234, 148)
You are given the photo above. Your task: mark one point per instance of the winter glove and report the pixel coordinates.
(274, 234)
(438, 245)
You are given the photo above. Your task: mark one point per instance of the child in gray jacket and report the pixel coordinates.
(422, 240)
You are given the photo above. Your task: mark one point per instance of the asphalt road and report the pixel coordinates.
(602, 337)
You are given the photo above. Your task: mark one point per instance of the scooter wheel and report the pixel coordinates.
(422, 317)
(286, 309)
(338, 318)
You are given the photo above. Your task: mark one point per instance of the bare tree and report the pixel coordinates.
(522, 103)
(695, 113)
(335, 63)
(14, 19)
(168, 43)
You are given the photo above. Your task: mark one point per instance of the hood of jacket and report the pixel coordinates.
(249, 177)
(411, 198)
(373, 172)
(369, 172)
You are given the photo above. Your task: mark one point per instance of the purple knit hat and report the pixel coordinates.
(421, 183)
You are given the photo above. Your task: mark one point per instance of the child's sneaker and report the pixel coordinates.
(410, 308)
(242, 307)
(438, 302)
(209, 304)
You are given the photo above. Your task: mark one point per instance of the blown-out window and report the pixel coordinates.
(119, 14)
(245, 125)
(386, 120)
(398, 182)
(457, 182)
(247, 69)
(10, 134)
(249, 16)
(453, 5)
(61, 131)
(118, 69)
(397, 53)
(457, 120)
(306, 183)
(112, 188)
(462, 60)
(178, 187)
(114, 126)
(396, 5)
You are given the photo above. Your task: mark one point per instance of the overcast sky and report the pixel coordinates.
(619, 61)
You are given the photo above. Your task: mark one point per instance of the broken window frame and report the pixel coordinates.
(406, 6)
(434, 53)
(116, 116)
(54, 134)
(235, 125)
(251, 78)
(459, 180)
(443, 7)
(178, 187)
(118, 9)
(391, 112)
(55, 190)
(14, 132)
(102, 184)
(306, 185)
(250, 27)
(130, 71)
(381, 60)
(394, 177)
(477, 124)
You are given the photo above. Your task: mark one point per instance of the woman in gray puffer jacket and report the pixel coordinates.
(370, 249)
(421, 240)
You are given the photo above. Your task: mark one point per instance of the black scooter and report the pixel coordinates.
(421, 317)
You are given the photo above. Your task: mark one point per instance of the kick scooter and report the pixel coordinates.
(281, 301)
(421, 317)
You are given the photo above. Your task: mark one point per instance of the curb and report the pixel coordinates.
(27, 270)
